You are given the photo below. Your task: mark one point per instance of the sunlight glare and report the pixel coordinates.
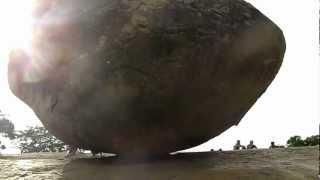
(17, 22)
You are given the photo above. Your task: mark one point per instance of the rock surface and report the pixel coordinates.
(277, 164)
(145, 77)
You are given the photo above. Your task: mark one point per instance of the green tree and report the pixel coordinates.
(2, 146)
(312, 140)
(6, 127)
(38, 139)
(295, 141)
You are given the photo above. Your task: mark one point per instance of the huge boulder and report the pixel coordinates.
(145, 77)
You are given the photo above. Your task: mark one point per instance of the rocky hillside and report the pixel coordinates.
(263, 164)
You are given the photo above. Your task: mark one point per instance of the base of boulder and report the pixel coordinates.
(262, 164)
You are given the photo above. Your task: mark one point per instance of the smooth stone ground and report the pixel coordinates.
(277, 164)
(145, 77)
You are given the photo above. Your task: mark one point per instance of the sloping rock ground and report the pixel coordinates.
(263, 164)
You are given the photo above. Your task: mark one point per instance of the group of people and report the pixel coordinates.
(73, 149)
(251, 145)
(238, 146)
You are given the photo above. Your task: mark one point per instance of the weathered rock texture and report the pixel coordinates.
(143, 77)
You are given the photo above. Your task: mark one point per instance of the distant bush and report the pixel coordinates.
(312, 140)
(297, 141)
(33, 139)
(6, 128)
(2, 147)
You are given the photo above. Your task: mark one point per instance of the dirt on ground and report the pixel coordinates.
(261, 164)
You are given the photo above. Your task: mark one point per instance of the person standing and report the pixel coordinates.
(238, 146)
(72, 150)
(251, 145)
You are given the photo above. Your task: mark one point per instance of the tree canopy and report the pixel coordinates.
(38, 139)
(6, 127)
(33, 139)
(312, 140)
(297, 141)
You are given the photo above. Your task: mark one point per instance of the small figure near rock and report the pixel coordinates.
(94, 153)
(72, 150)
(220, 150)
(273, 146)
(238, 146)
(251, 145)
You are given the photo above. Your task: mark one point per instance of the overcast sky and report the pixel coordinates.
(289, 107)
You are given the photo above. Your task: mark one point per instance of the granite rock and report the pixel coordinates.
(142, 77)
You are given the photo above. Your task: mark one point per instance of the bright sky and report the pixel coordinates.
(289, 107)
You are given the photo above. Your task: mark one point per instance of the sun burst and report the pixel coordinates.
(16, 24)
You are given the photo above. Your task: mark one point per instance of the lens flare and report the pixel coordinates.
(16, 29)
